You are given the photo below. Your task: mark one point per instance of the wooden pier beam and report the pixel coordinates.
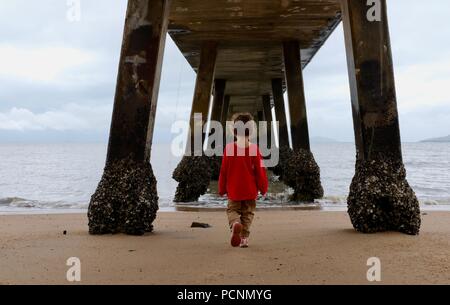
(280, 112)
(193, 174)
(380, 197)
(126, 199)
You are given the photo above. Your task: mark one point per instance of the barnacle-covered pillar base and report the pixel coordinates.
(284, 154)
(126, 200)
(193, 175)
(215, 164)
(302, 174)
(381, 199)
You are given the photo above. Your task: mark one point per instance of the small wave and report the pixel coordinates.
(333, 200)
(435, 202)
(12, 201)
(22, 203)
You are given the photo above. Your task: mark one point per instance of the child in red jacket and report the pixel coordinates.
(242, 175)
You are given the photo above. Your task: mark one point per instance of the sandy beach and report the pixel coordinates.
(287, 247)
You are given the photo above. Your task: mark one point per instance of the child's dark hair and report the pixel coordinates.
(243, 118)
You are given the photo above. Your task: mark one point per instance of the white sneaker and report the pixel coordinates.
(244, 242)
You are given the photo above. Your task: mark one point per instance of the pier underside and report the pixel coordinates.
(250, 34)
(247, 54)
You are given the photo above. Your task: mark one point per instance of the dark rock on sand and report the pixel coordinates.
(284, 155)
(200, 225)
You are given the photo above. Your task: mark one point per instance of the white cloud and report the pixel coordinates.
(70, 118)
(423, 85)
(43, 64)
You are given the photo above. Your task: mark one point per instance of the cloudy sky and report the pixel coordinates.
(57, 78)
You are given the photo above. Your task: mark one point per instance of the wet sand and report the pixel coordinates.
(287, 247)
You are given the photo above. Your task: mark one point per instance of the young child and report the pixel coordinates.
(242, 175)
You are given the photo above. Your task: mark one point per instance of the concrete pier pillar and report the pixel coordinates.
(216, 116)
(283, 135)
(225, 110)
(296, 95)
(193, 174)
(202, 94)
(219, 99)
(225, 117)
(280, 112)
(126, 199)
(267, 106)
(380, 197)
(301, 171)
(260, 116)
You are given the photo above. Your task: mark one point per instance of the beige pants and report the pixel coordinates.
(243, 212)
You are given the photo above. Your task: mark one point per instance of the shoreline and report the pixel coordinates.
(206, 209)
(286, 247)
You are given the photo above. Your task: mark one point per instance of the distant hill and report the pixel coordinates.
(439, 140)
(323, 140)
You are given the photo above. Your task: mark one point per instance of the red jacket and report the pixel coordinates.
(243, 173)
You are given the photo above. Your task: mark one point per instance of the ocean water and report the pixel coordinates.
(61, 177)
